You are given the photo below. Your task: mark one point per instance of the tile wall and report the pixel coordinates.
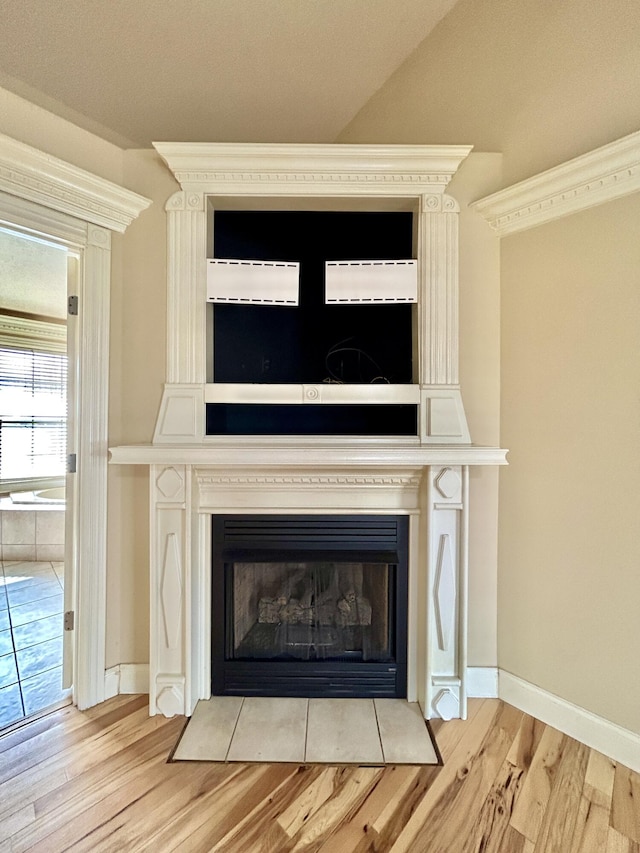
(32, 534)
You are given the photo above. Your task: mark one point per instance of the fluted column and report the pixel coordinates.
(181, 415)
(442, 413)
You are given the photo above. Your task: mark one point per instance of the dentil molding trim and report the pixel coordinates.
(607, 173)
(263, 168)
(26, 333)
(34, 175)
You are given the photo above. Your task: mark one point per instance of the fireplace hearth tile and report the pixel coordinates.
(307, 731)
(403, 732)
(208, 736)
(343, 731)
(270, 729)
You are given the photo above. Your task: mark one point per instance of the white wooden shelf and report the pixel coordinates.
(330, 392)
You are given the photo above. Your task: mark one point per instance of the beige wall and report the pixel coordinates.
(570, 500)
(543, 81)
(480, 385)
(137, 374)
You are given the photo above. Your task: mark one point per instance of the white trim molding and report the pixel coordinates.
(27, 333)
(272, 169)
(607, 173)
(31, 174)
(126, 678)
(111, 682)
(482, 682)
(620, 744)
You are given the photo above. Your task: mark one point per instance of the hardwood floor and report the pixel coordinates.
(99, 781)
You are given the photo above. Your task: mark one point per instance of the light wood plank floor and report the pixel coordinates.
(99, 781)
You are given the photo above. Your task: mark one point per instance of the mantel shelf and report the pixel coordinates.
(298, 453)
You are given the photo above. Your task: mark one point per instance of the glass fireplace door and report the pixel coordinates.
(309, 605)
(310, 610)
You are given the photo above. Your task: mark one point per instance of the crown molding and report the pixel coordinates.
(255, 168)
(41, 178)
(26, 333)
(607, 173)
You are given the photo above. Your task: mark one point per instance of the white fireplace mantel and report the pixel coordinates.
(426, 477)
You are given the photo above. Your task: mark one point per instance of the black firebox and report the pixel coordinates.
(306, 605)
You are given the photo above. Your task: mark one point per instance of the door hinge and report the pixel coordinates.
(69, 620)
(72, 306)
(72, 462)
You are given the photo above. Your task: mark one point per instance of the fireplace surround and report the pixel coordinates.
(420, 473)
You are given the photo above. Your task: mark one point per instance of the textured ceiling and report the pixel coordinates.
(33, 276)
(134, 71)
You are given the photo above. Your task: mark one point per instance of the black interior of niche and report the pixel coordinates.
(263, 419)
(313, 342)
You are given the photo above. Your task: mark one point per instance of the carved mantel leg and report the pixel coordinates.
(447, 499)
(169, 585)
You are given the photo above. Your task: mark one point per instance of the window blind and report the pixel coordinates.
(33, 413)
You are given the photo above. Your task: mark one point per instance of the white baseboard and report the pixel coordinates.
(596, 732)
(126, 678)
(111, 682)
(134, 678)
(482, 682)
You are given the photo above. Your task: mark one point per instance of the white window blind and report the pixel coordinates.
(33, 414)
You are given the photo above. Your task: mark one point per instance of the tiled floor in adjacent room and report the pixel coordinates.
(31, 608)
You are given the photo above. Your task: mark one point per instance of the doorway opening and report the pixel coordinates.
(34, 428)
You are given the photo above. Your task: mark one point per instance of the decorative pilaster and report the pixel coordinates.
(170, 590)
(442, 415)
(186, 275)
(181, 416)
(447, 500)
(439, 275)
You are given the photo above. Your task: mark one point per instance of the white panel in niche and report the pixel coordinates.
(253, 282)
(371, 282)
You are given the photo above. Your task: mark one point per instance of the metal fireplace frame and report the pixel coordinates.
(333, 538)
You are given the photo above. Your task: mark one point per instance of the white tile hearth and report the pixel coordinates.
(208, 735)
(270, 729)
(402, 732)
(343, 731)
(307, 731)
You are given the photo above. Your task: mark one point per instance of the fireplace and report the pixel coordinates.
(309, 605)
(272, 432)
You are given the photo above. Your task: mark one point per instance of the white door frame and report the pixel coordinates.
(53, 199)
